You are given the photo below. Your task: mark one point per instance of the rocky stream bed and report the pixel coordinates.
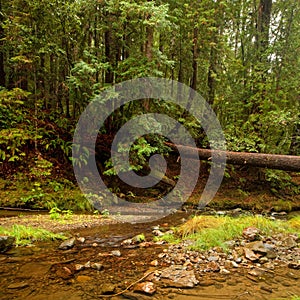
(112, 261)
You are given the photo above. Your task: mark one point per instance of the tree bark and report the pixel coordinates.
(270, 161)
(2, 70)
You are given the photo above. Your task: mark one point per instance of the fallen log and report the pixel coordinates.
(270, 161)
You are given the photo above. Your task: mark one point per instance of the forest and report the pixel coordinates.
(56, 56)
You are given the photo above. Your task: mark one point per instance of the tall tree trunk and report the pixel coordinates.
(149, 42)
(195, 58)
(2, 69)
(263, 25)
(211, 75)
(108, 54)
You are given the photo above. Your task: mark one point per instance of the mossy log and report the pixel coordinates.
(262, 160)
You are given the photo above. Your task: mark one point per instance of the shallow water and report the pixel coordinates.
(44, 272)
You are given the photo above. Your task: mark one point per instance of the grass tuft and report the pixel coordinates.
(208, 231)
(25, 235)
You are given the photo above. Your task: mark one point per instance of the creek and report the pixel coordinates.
(43, 271)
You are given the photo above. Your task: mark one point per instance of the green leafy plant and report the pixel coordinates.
(105, 213)
(58, 214)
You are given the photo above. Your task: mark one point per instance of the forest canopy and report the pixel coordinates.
(243, 57)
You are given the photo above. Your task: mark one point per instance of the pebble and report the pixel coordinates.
(68, 244)
(18, 285)
(81, 239)
(224, 271)
(116, 253)
(97, 266)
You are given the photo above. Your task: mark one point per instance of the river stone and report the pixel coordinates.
(290, 242)
(294, 265)
(257, 246)
(256, 272)
(81, 239)
(6, 242)
(116, 253)
(78, 267)
(177, 276)
(251, 233)
(224, 271)
(212, 266)
(249, 254)
(107, 289)
(206, 282)
(97, 266)
(146, 287)
(68, 244)
(18, 285)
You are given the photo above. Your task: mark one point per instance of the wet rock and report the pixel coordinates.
(87, 265)
(213, 258)
(266, 288)
(68, 244)
(290, 242)
(271, 254)
(154, 263)
(256, 272)
(162, 255)
(6, 243)
(238, 260)
(257, 246)
(206, 282)
(212, 266)
(146, 287)
(230, 244)
(18, 285)
(177, 276)
(108, 289)
(78, 267)
(157, 227)
(221, 213)
(263, 260)
(157, 232)
(294, 265)
(83, 278)
(116, 253)
(224, 271)
(127, 242)
(64, 273)
(251, 233)
(138, 238)
(96, 266)
(269, 266)
(145, 244)
(249, 254)
(81, 239)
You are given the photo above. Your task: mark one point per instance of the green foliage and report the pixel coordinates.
(42, 168)
(105, 213)
(26, 235)
(58, 214)
(12, 107)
